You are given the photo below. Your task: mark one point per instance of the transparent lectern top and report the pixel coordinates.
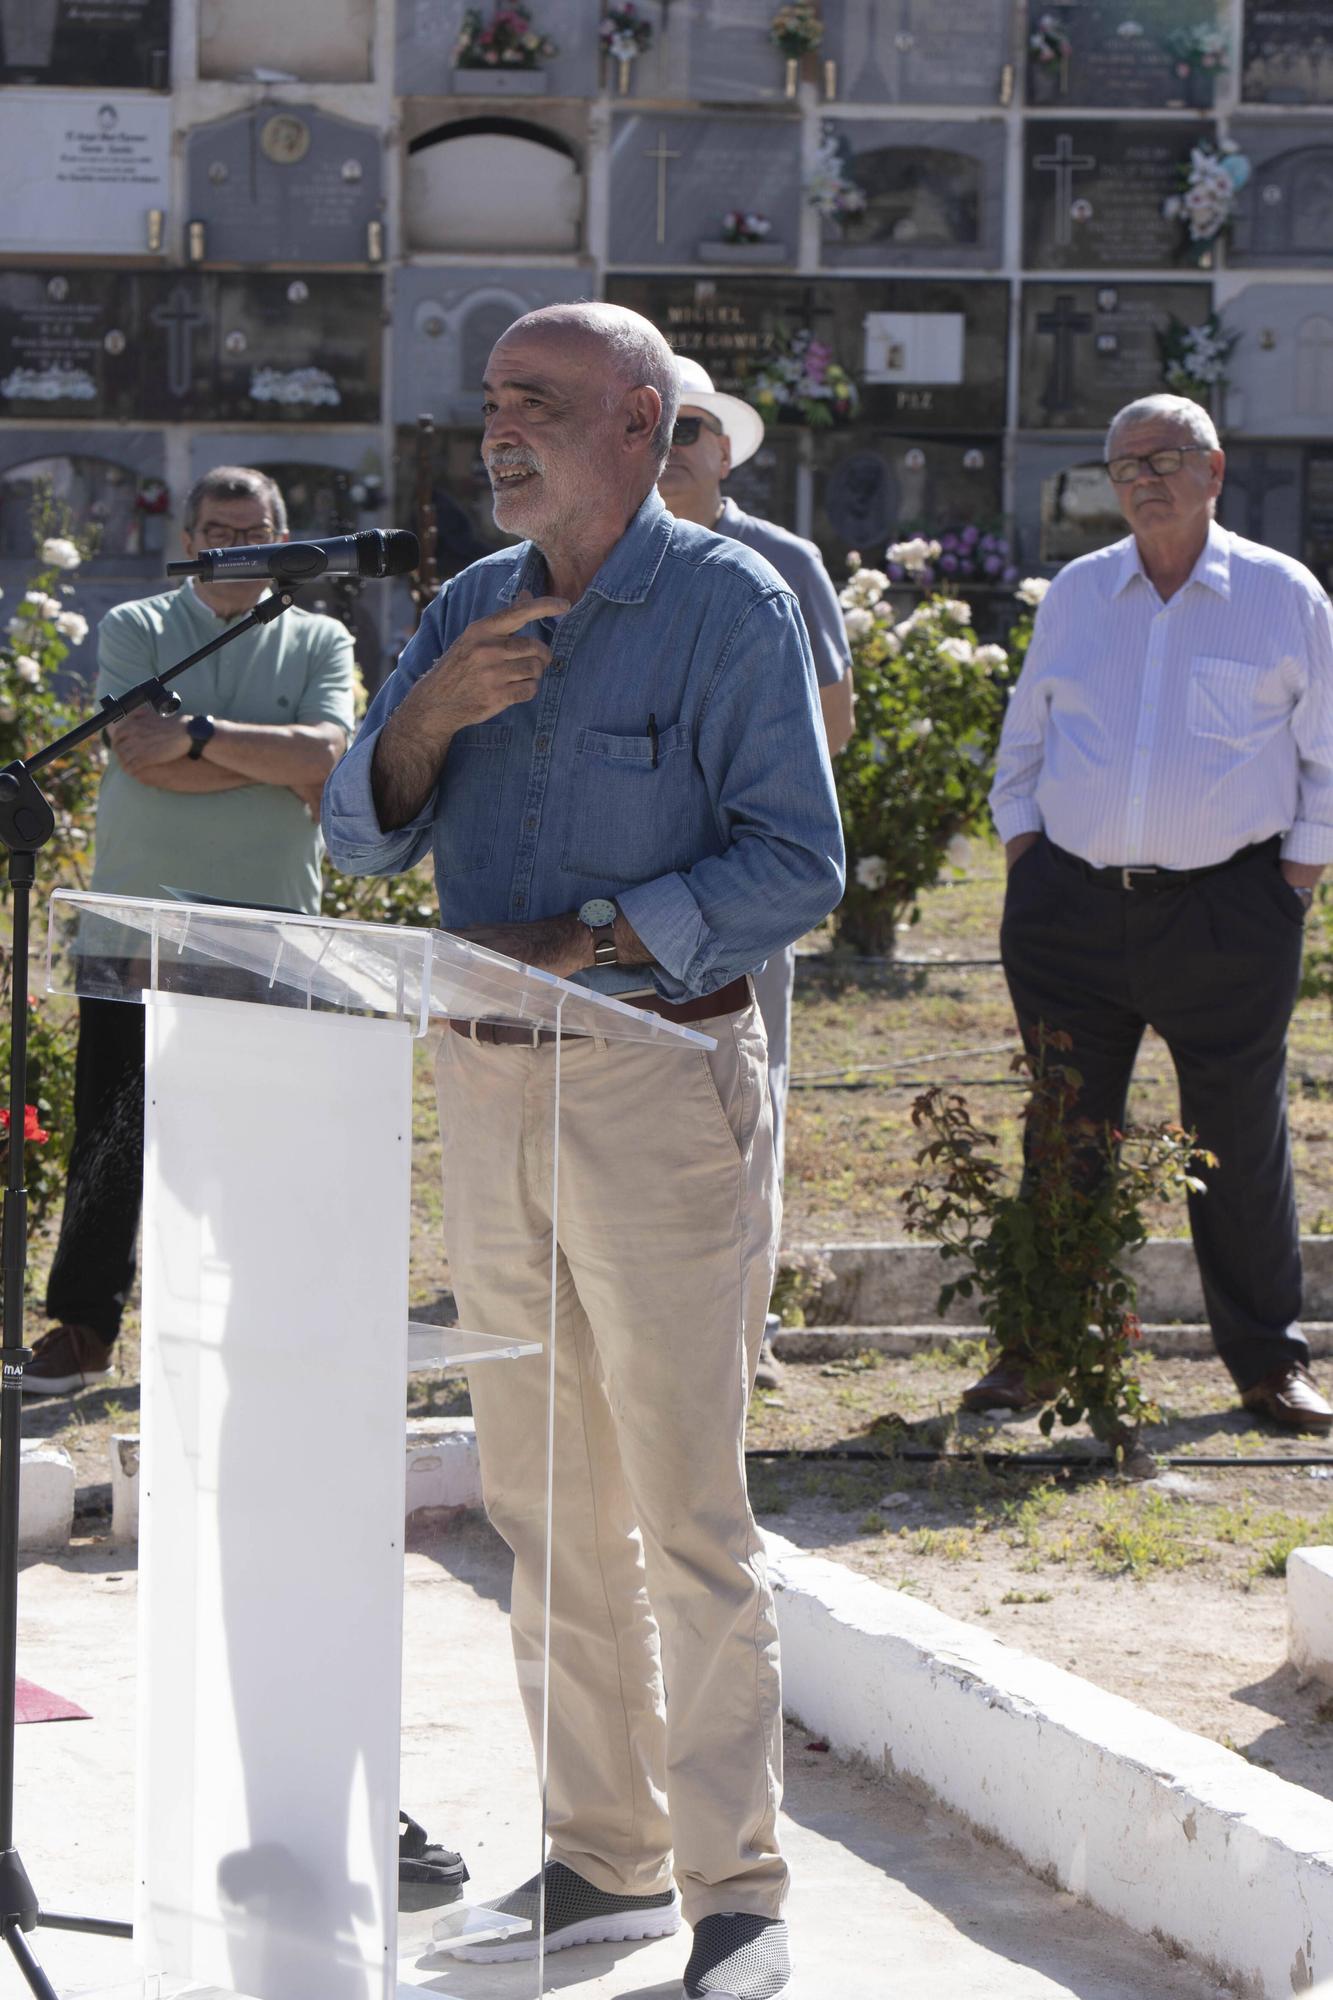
(123, 947)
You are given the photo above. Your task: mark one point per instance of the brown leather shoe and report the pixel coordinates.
(1005, 1387)
(1289, 1397)
(65, 1359)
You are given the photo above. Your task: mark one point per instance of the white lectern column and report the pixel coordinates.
(276, 1215)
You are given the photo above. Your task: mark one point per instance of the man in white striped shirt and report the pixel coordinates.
(1164, 790)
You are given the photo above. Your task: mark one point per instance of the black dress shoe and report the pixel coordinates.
(1288, 1397)
(1006, 1386)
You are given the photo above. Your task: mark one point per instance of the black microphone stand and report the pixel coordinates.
(26, 824)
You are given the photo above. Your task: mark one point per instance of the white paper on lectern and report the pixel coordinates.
(276, 1219)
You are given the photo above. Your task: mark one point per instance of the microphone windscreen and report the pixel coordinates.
(402, 552)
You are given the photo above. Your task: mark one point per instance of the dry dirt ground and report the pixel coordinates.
(1168, 1592)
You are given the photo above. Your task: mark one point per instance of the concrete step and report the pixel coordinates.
(837, 1343)
(897, 1284)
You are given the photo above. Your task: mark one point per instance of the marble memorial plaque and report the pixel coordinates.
(874, 486)
(673, 179)
(1089, 349)
(494, 185)
(934, 195)
(428, 30)
(920, 51)
(97, 44)
(285, 184)
(722, 55)
(83, 174)
(445, 323)
(1148, 56)
(1281, 369)
(1094, 192)
(244, 39)
(191, 346)
(1284, 213)
(736, 326)
(1287, 52)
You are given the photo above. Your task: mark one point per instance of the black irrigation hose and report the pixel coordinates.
(1023, 1460)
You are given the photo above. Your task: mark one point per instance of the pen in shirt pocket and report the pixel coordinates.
(652, 738)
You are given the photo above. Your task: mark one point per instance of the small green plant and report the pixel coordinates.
(1045, 1260)
(801, 1280)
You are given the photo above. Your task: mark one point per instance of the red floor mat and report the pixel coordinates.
(34, 1704)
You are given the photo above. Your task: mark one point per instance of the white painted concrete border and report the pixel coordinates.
(46, 1497)
(1163, 1829)
(835, 1343)
(1310, 1613)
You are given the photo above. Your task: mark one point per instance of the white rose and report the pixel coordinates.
(959, 851)
(913, 555)
(872, 871)
(893, 645)
(992, 658)
(73, 626)
(858, 622)
(923, 726)
(1032, 589)
(956, 649)
(955, 610)
(61, 553)
(27, 669)
(903, 627)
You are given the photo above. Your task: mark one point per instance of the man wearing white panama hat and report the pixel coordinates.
(714, 434)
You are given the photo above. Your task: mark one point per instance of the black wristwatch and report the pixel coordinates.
(200, 729)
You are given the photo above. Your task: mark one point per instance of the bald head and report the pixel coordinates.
(621, 345)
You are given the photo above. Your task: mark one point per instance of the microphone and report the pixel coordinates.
(374, 552)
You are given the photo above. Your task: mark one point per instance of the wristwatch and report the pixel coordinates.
(599, 914)
(200, 729)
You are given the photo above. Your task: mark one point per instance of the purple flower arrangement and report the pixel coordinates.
(967, 555)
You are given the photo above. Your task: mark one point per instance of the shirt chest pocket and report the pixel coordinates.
(1234, 701)
(473, 778)
(629, 816)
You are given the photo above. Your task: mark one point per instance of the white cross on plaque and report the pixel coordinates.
(1064, 163)
(662, 154)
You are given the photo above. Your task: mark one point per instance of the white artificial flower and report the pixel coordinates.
(872, 871)
(27, 669)
(73, 626)
(955, 610)
(913, 555)
(1032, 589)
(959, 851)
(956, 649)
(991, 658)
(60, 552)
(859, 622)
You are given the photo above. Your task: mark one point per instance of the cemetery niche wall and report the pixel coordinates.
(1157, 55)
(675, 179)
(1088, 348)
(445, 323)
(1287, 52)
(1281, 371)
(115, 45)
(427, 35)
(933, 194)
(189, 346)
(494, 183)
(256, 39)
(1284, 213)
(920, 51)
(83, 173)
(287, 184)
(1094, 189)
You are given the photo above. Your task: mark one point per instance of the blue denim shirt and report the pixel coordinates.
(716, 829)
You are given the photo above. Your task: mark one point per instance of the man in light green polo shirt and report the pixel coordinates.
(220, 801)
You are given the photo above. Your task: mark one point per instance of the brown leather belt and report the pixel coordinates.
(729, 999)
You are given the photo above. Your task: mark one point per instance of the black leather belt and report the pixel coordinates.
(1152, 881)
(728, 999)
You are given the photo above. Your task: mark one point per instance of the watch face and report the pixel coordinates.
(598, 913)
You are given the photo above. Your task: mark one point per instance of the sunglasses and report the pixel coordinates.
(1163, 463)
(688, 428)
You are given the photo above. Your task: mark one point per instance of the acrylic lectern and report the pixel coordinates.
(278, 1125)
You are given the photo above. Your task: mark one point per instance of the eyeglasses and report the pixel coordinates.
(688, 428)
(217, 535)
(1124, 471)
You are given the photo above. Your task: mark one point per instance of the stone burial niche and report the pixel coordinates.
(256, 39)
(494, 184)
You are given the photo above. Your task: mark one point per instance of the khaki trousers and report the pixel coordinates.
(666, 1714)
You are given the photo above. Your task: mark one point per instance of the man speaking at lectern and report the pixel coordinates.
(610, 737)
